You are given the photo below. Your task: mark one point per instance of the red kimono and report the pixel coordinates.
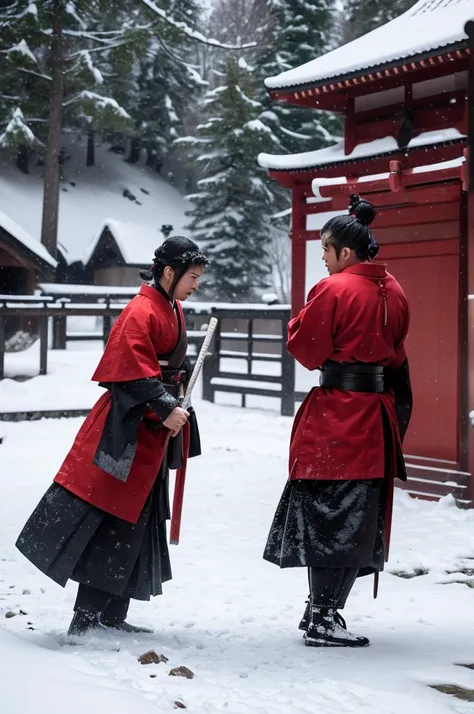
(345, 451)
(147, 328)
(358, 315)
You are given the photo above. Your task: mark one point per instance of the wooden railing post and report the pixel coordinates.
(210, 367)
(59, 333)
(3, 340)
(43, 336)
(287, 375)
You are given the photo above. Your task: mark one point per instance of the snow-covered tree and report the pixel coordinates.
(24, 91)
(300, 31)
(27, 65)
(230, 217)
(361, 16)
(167, 82)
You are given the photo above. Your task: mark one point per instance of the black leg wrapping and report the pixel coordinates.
(350, 576)
(346, 582)
(330, 588)
(116, 610)
(325, 586)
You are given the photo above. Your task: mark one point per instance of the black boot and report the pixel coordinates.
(82, 622)
(90, 602)
(329, 590)
(324, 631)
(347, 582)
(123, 626)
(305, 620)
(115, 614)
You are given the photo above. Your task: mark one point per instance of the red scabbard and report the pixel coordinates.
(179, 490)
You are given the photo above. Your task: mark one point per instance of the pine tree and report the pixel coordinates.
(165, 82)
(300, 32)
(24, 94)
(26, 66)
(362, 16)
(233, 204)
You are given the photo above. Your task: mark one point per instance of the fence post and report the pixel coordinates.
(43, 335)
(2, 346)
(287, 374)
(106, 327)
(210, 367)
(59, 333)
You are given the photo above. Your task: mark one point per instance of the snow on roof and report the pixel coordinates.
(335, 154)
(428, 26)
(322, 181)
(26, 239)
(137, 242)
(89, 196)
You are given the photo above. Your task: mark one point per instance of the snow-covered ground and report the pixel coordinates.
(228, 615)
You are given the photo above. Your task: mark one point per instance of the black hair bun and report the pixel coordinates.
(362, 210)
(373, 248)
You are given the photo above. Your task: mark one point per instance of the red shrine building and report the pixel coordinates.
(406, 91)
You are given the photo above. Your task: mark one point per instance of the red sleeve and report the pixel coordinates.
(310, 333)
(129, 353)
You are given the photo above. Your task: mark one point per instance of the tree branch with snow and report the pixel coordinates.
(194, 34)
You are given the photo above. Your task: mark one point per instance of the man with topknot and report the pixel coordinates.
(334, 516)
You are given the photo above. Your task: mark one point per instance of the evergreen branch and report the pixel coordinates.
(107, 48)
(36, 74)
(177, 59)
(193, 34)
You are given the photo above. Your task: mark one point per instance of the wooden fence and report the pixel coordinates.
(254, 347)
(247, 336)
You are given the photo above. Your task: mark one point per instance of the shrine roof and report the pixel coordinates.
(430, 26)
(333, 155)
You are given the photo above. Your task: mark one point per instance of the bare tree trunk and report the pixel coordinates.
(49, 228)
(90, 161)
(151, 158)
(134, 156)
(22, 158)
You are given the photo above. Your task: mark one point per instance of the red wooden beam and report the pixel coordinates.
(408, 179)
(415, 215)
(413, 235)
(469, 239)
(395, 180)
(417, 250)
(438, 193)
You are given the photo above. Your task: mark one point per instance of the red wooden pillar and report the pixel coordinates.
(469, 229)
(298, 249)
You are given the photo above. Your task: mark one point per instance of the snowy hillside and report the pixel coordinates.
(91, 195)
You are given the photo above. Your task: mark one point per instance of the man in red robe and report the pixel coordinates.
(335, 513)
(103, 521)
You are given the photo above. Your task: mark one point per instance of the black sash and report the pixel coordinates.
(353, 377)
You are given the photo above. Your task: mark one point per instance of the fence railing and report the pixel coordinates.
(248, 355)
(254, 348)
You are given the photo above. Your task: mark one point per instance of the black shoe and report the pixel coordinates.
(123, 626)
(325, 631)
(82, 622)
(304, 624)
